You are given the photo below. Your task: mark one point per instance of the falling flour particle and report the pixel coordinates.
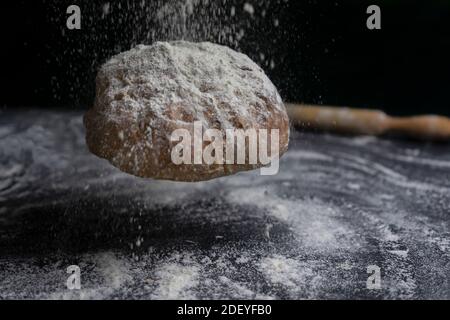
(134, 22)
(106, 7)
(233, 11)
(249, 8)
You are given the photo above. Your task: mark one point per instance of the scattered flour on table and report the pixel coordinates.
(114, 275)
(314, 223)
(295, 278)
(176, 278)
(115, 271)
(236, 290)
(283, 271)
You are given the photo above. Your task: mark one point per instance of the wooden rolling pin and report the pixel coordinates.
(368, 122)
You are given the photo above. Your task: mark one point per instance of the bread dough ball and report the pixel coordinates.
(144, 94)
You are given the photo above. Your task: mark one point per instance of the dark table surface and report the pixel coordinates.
(338, 205)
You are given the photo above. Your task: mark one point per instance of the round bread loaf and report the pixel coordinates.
(145, 94)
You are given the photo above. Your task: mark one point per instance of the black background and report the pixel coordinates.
(323, 51)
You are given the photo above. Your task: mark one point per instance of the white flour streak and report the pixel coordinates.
(387, 174)
(422, 161)
(363, 140)
(307, 155)
(400, 253)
